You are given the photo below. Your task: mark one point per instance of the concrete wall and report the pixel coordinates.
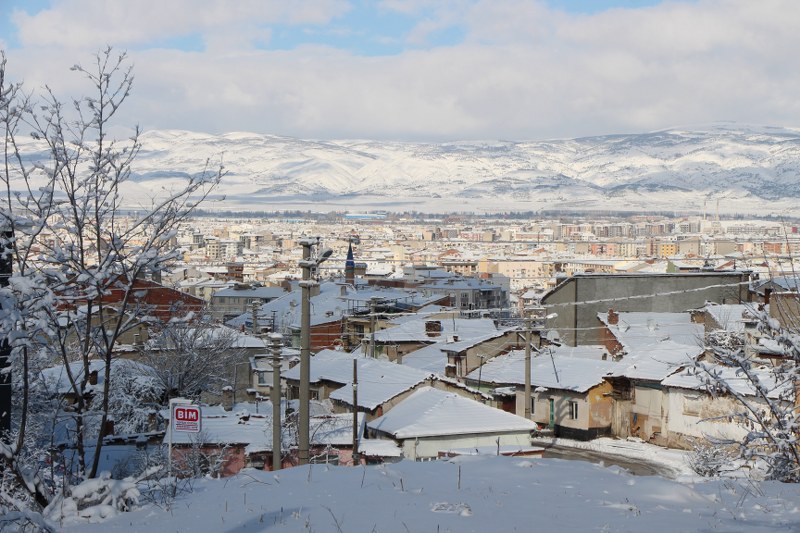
(696, 415)
(649, 411)
(575, 299)
(429, 447)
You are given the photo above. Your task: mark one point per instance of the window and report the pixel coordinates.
(573, 410)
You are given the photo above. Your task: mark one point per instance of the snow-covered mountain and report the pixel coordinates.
(732, 168)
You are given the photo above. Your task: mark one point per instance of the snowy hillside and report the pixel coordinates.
(742, 169)
(467, 494)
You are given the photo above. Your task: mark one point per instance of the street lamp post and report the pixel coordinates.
(305, 352)
(306, 264)
(276, 342)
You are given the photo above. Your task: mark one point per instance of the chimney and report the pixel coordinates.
(613, 318)
(152, 421)
(433, 328)
(108, 428)
(227, 398)
(767, 295)
(313, 290)
(93, 377)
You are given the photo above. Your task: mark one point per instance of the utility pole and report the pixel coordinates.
(276, 343)
(355, 412)
(305, 352)
(255, 317)
(527, 365)
(373, 305)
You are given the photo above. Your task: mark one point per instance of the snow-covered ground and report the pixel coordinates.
(672, 463)
(478, 493)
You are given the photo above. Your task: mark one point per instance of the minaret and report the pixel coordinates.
(350, 266)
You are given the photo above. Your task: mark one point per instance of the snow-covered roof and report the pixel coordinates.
(470, 342)
(254, 430)
(57, 378)
(431, 311)
(330, 305)
(655, 344)
(237, 338)
(657, 361)
(431, 358)
(414, 330)
(250, 292)
(731, 317)
(699, 379)
(638, 330)
(789, 283)
(430, 412)
(570, 373)
(379, 448)
(378, 381)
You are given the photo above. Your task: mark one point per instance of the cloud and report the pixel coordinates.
(88, 23)
(519, 71)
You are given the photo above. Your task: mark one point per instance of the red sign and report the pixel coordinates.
(186, 418)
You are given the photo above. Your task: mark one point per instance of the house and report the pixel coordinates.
(381, 385)
(203, 287)
(175, 343)
(764, 288)
(154, 299)
(374, 310)
(732, 325)
(136, 392)
(578, 300)
(408, 335)
(261, 369)
(699, 412)
(331, 305)
(147, 303)
(463, 356)
(232, 440)
(431, 421)
(569, 391)
(464, 293)
(233, 301)
(648, 348)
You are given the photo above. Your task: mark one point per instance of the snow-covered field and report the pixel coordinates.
(466, 494)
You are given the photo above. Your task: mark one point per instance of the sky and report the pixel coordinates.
(422, 70)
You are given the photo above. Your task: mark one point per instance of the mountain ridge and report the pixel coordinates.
(730, 167)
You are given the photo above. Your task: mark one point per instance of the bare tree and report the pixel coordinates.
(764, 388)
(187, 359)
(76, 251)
